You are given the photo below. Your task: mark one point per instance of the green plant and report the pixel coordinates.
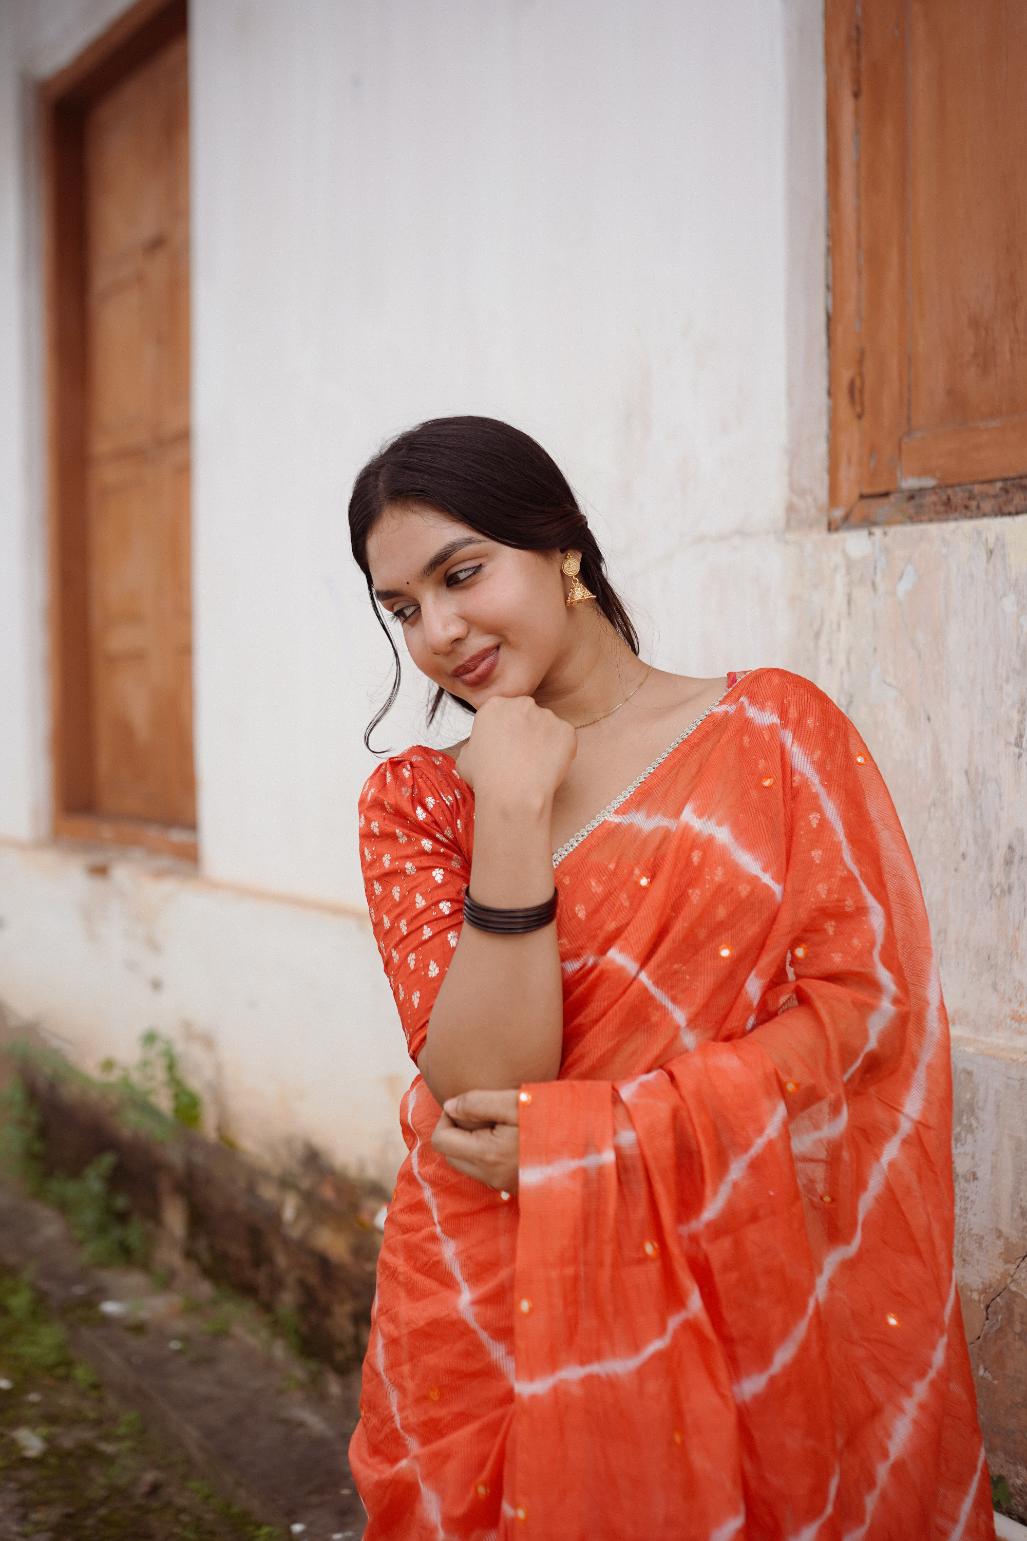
(21, 1143)
(156, 1079)
(287, 1322)
(29, 1340)
(83, 1376)
(128, 1426)
(1001, 1497)
(100, 1219)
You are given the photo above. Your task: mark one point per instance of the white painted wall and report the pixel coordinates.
(547, 213)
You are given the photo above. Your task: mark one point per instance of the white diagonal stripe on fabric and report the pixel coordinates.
(801, 1143)
(430, 1499)
(688, 1038)
(571, 965)
(643, 820)
(497, 1352)
(627, 1089)
(751, 1385)
(731, 1527)
(879, 1018)
(883, 1014)
(552, 1171)
(802, 762)
(723, 836)
(738, 1167)
(956, 1533)
(812, 1530)
(612, 1367)
(903, 1425)
(646, 822)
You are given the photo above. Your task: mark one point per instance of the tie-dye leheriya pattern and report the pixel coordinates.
(723, 1304)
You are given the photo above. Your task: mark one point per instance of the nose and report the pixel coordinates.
(443, 626)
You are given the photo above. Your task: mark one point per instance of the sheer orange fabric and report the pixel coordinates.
(723, 1303)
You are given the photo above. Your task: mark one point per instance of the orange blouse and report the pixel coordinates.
(722, 1303)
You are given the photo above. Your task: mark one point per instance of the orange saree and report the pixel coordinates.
(722, 1304)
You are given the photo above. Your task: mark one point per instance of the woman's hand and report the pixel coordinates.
(478, 1135)
(517, 749)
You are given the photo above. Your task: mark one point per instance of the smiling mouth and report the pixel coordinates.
(474, 666)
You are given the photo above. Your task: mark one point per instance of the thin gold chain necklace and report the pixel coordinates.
(627, 698)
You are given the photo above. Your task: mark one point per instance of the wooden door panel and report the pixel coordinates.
(127, 161)
(172, 405)
(123, 363)
(122, 641)
(883, 191)
(928, 323)
(968, 213)
(983, 452)
(137, 454)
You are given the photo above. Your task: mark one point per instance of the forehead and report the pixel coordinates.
(404, 536)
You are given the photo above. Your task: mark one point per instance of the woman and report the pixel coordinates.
(670, 1255)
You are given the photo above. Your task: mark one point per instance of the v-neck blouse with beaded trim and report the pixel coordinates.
(732, 677)
(416, 816)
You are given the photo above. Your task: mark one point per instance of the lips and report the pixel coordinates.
(472, 664)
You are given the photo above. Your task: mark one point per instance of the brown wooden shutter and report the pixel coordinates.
(928, 218)
(120, 339)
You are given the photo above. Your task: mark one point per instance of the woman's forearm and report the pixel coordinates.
(498, 1018)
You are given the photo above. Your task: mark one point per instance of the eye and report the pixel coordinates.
(456, 573)
(454, 579)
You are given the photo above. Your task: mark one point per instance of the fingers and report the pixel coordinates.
(488, 1155)
(476, 1108)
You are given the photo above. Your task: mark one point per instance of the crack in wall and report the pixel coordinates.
(997, 1296)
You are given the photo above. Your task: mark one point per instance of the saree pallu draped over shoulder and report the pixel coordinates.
(722, 1304)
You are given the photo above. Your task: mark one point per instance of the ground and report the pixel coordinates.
(157, 1409)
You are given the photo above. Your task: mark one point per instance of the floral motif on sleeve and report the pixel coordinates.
(413, 856)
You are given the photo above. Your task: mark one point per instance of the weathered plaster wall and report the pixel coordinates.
(283, 1028)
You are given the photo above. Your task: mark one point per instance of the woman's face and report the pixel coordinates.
(454, 593)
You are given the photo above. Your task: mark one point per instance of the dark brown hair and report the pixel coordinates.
(498, 481)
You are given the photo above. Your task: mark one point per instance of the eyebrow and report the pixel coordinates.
(442, 555)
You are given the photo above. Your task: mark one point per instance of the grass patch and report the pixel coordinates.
(97, 1473)
(100, 1219)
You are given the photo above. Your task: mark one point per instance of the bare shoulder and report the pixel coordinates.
(676, 695)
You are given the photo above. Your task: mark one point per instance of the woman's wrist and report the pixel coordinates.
(513, 804)
(512, 861)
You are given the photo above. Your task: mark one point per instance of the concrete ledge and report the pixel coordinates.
(302, 1245)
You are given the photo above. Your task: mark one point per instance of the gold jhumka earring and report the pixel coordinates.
(570, 567)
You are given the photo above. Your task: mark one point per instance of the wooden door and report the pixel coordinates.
(118, 187)
(928, 145)
(137, 442)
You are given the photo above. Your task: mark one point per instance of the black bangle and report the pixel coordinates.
(508, 922)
